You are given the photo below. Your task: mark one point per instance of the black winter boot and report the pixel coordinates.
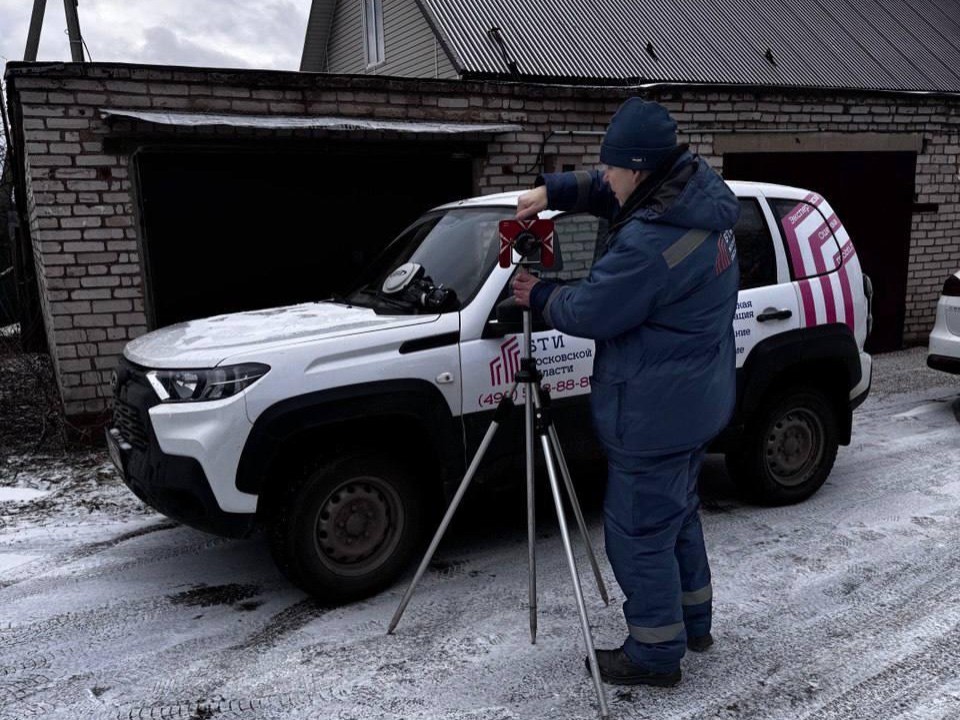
(699, 643)
(618, 669)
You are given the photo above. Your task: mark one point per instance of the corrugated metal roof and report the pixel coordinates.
(858, 44)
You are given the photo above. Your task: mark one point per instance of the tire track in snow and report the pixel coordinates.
(279, 626)
(31, 570)
(780, 668)
(42, 583)
(117, 622)
(902, 684)
(219, 709)
(212, 667)
(103, 624)
(67, 640)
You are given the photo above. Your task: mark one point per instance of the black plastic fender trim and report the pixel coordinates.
(416, 399)
(793, 350)
(429, 343)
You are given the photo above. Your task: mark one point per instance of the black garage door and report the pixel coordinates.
(872, 193)
(240, 230)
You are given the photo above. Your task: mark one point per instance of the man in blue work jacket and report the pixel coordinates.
(659, 302)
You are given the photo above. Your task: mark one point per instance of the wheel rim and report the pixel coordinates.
(794, 447)
(359, 525)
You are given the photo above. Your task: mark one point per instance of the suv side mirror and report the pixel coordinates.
(509, 320)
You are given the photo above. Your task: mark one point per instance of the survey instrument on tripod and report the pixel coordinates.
(537, 420)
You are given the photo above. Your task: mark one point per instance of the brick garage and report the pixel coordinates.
(83, 225)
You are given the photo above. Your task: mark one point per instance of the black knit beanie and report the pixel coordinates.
(640, 136)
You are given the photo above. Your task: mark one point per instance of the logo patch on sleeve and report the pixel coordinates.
(726, 251)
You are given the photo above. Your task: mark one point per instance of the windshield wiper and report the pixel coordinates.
(378, 296)
(338, 299)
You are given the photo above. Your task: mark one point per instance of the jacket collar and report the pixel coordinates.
(661, 187)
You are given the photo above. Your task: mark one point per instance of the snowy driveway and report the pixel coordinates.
(846, 606)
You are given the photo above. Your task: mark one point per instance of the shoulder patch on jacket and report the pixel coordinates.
(726, 251)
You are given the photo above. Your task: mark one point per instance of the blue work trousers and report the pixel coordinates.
(655, 545)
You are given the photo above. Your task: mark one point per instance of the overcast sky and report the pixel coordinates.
(212, 33)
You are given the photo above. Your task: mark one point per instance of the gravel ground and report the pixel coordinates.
(906, 371)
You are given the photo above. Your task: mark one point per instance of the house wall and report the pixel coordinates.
(80, 198)
(319, 24)
(345, 48)
(411, 48)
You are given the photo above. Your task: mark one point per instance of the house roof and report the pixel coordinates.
(855, 44)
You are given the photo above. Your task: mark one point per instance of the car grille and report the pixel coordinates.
(127, 420)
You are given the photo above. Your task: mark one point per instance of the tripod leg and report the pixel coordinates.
(531, 516)
(574, 502)
(503, 410)
(578, 514)
(528, 376)
(575, 577)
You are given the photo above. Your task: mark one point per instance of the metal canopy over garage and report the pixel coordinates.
(286, 122)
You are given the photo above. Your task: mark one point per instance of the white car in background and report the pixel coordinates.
(944, 350)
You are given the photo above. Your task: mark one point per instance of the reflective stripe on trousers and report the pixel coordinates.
(695, 597)
(669, 632)
(655, 634)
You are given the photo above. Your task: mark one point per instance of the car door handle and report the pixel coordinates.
(774, 314)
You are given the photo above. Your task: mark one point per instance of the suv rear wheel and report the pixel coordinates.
(788, 449)
(349, 528)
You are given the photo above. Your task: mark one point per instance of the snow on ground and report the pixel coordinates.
(14, 493)
(846, 606)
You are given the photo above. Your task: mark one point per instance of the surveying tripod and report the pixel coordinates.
(537, 418)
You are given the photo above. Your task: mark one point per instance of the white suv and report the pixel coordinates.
(343, 425)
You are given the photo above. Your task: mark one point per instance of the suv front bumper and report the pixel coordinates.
(173, 483)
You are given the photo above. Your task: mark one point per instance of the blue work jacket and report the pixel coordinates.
(659, 302)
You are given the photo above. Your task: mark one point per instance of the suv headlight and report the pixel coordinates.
(207, 384)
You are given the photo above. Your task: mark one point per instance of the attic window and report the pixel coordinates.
(373, 31)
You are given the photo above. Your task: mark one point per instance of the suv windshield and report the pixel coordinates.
(456, 248)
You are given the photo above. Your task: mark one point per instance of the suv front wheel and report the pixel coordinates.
(788, 448)
(347, 529)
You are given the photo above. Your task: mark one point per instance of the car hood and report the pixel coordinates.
(209, 341)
